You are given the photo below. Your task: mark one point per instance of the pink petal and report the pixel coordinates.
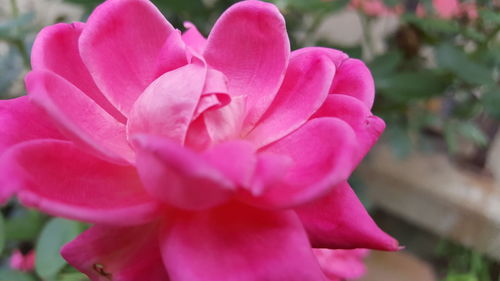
(193, 38)
(173, 54)
(367, 127)
(353, 78)
(236, 159)
(56, 50)
(80, 117)
(16, 123)
(323, 152)
(305, 88)
(336, 56)
(167, 106)
(58, 178)
(179, 176)
(225, 123)
(339, 221)
(106, 253)
(342, 264)
(121, 45)
(250, 46)
(238, 243)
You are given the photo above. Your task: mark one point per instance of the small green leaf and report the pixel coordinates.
(491, 102)
(74, 276)
(386, 64)
(23, 224)
(55, 234)
(456, 61)
(407, 86)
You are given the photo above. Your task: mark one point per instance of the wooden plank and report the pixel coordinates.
(428, 190)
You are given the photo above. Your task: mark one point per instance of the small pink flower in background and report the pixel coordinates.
(219, 158)
(451, 9)
(22, 262)
(376, 7)
(341, 265)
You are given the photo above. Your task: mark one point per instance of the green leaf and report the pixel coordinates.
(14, 275)
(432, 25)
(491, 101)
(55, 234)
(490, 16)
(23, 224)
(407, 86)
(456, 61)
(74, 276)
(472, 132)
(386, 64)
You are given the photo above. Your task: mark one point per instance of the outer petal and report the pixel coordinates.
(80, 117)
(57, 178)
(250, 46)
(56, 49)
(106, 253)
(179, 176)
(336, 56)
(121, 45)
(173, 54)
(339, 221)
(353, 78)
(239, 243)
(367, 127)
(168, 105)
(193, 38)
(17, 123)
(323, 153)
(17, 126)
(305, 88)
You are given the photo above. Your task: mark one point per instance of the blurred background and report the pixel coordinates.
(433, 181)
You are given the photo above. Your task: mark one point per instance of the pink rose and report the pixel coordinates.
(22, 262)
(376, 8)
(342, 264)
(198, 159)
(450, 9)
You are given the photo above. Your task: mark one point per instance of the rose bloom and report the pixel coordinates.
(224, 158)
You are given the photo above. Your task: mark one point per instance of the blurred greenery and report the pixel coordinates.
(437, 79)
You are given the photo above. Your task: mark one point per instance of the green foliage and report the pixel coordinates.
(54, 235)
(2, 234)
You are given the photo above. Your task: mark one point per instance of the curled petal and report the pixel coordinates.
(250, 46)
(106, 253)
(305, 88)
(167, 106)
(56, 49)
(353, 78)
(238, 243)
(121, 45)
(81, 119)
(58, 178)
(339, 221)
(322, 154)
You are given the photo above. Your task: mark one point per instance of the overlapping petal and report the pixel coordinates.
(367, 126)
(238, 243)
(167, 106)
(322, 154)
(353, 78)
(106, 253)
(58, 178)
(250, 46)
(81, 119)
(121, 45)
(182, 177)
(305, 88)
(193, 38)
(56, 49)
(339, 221)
